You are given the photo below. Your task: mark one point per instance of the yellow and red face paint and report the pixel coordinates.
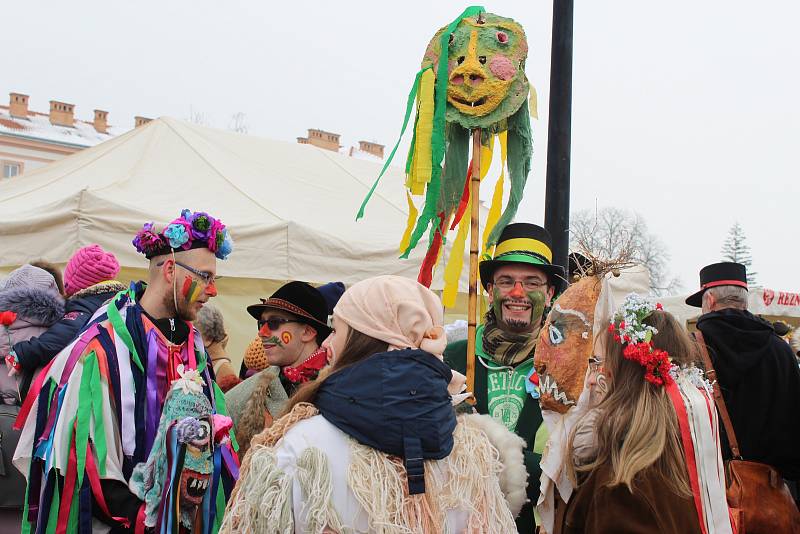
(286, 338)
(191, 290)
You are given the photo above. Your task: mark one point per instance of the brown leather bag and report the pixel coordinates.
(758, 497)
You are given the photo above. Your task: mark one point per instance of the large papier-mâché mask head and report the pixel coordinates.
(486, 70)
(565, 345)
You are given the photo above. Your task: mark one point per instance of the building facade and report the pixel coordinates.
(32, 139)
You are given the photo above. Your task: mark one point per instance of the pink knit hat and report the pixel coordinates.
(89, 266)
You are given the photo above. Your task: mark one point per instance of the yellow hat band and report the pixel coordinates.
(525, 244)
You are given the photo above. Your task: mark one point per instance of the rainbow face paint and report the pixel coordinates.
(191, 290)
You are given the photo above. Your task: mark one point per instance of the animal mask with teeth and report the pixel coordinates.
(190, 431)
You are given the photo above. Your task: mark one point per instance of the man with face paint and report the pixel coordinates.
(93, 414)
(292, 325)
(521, 282)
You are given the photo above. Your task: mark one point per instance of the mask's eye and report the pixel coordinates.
(205, 430)
(556, 337)
(502, 37)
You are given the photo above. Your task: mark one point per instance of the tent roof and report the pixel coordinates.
(290, 207)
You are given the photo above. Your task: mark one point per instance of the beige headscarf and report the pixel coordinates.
(401, 312)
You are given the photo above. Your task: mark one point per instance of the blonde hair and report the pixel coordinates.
(637, 429)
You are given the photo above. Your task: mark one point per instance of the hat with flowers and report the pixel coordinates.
(629, 329)
(189, 231)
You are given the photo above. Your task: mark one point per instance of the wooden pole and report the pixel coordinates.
(474, 251)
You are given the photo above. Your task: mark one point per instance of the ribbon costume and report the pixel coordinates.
(93, 416)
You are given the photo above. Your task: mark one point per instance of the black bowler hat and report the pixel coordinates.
(527, 244)
(300, 299)
(726, 273)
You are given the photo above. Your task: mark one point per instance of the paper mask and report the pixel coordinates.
(565, 345)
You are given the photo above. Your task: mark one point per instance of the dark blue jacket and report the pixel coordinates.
(396, 402)
(38, 351)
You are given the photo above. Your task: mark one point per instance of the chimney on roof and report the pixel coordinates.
(321, 139)
(371, 148)
(101, 121)
(62, 114)
(141, 121)
(18, 105)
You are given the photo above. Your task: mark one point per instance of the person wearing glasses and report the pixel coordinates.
(292, 325)
(521, 282)
(92, 415)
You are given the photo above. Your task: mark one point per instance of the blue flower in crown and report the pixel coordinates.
(226, 247)
(176, 234)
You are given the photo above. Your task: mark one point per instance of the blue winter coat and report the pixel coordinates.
(38, 351)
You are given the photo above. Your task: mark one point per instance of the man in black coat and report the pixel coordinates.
(756, 371)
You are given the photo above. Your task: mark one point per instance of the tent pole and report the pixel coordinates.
(472, 306)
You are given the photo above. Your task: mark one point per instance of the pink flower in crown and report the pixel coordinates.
(147, 240)
(215, 235)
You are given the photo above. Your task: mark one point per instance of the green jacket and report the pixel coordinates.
(530, 418)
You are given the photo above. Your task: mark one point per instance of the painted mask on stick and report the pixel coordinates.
(486, 76)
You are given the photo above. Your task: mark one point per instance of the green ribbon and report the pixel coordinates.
(122, 331)
(98, 399)
(409, 106)
(437, 136)
(84, 413)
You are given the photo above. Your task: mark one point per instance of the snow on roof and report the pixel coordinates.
(37, 126)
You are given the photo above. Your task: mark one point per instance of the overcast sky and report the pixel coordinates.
(686, 111)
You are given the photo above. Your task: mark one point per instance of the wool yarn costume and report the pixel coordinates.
(93, 413)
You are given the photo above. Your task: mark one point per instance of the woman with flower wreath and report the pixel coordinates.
(647, 458)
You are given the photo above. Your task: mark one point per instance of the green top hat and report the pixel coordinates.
(528, 244)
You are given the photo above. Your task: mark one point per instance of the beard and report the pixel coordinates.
(180, 309)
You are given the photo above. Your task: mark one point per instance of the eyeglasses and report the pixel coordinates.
(529, 284)
(273, 323)
(205, 276)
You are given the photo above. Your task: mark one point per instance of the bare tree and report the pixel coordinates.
(617, 234)
(197, 117)
(238, 123)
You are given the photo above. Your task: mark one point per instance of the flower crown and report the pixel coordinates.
(629, 330)
(190, 230)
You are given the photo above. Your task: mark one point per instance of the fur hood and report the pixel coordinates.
(36, 306)
(111, 286)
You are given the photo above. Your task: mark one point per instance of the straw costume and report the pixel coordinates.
(95, 412)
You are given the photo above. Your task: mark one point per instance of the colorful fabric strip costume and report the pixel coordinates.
(93, 415)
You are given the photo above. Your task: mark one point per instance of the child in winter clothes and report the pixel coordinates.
(88, 283)
(32, 294)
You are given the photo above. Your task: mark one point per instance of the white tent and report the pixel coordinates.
(290, 208)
